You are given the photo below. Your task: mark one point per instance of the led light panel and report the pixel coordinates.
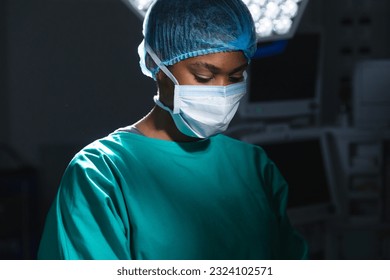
(274, 19)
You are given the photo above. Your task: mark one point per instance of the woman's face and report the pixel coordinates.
(218, 69)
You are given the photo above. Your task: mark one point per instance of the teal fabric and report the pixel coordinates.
(128, 196)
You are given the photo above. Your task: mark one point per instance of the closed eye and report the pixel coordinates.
(202, 80)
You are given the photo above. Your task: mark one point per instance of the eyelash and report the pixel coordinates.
(206, 80)
(202, 80)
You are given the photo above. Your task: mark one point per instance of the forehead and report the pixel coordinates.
(223, 61)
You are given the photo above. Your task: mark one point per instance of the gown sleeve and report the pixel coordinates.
(88, 219)
(291, 244)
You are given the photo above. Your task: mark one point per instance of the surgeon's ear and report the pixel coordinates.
(163, 81)
(159, 75)
(166, 88)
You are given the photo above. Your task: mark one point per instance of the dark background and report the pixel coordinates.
(69, 74)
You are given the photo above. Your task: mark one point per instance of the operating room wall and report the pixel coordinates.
(355, 30)
(72, 76)
(3, 73)
(73, 72)
(69, 75)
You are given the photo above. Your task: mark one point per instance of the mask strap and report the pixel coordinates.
(176, 100)
(159, 63)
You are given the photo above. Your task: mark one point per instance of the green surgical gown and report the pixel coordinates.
(128, 196)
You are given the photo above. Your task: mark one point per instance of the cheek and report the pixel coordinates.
(182, 75)
(165, 89)
(186, 79)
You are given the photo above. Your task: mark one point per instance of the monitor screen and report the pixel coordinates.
(284, 82)
(302, 165)
(303, 159)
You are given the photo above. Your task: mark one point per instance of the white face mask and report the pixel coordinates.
(199, 110)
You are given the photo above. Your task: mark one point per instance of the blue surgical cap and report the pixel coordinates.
(179, 29)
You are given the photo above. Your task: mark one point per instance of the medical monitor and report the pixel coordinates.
(284, 79)
(303, 159)
(371, 94)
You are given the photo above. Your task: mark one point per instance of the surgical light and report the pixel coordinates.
(274, 19)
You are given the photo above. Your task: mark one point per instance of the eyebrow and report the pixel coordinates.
(212, 68)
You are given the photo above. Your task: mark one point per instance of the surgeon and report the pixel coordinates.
(171, 186)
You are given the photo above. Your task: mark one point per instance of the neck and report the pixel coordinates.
(160, 125)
